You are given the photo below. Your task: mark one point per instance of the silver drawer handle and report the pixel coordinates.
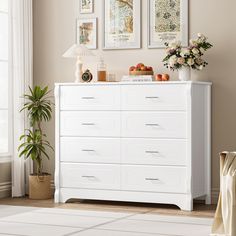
(151, 179)
(88, 176)
(88, 124)
(151, 97)
(152, 152)
(152, 125)
(88, 98)
(88, 150)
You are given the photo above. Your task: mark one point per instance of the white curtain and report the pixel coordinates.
(225, 217)
(21, 58)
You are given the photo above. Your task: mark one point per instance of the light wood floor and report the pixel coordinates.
(200, 209)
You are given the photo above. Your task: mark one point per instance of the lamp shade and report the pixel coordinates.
(77, 50)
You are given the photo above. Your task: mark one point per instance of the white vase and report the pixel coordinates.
(185, 73)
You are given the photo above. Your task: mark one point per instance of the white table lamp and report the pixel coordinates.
(78, 51)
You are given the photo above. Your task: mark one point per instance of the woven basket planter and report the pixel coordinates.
(40, 187)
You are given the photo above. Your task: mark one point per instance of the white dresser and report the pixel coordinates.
(137, 142)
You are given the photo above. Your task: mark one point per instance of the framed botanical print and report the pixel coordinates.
(122, 24)
(87, 32)
(86, 6)
(168, 21)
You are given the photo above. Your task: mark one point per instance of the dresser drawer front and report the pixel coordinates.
(90, 150)
(154, 179)
(90, 176)
(154, 124)
(90, 124)
(154, 152)
(151, 97)
(90, 97)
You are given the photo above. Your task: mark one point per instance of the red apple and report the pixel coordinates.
(139, 65)
(143, 68)
(165, 77)
(131, 68)
(158, 77)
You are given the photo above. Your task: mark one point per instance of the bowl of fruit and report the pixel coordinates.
(141, 69)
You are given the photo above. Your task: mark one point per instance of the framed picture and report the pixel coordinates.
(87, 32)
(122, 24)
(168, 21)
(86, 6)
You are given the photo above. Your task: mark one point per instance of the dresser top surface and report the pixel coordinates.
(135, 83)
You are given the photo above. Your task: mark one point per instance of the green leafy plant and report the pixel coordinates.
(39, 109)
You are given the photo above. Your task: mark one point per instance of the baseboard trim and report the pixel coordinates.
(5, 189)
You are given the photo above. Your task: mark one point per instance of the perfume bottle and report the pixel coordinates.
(102, 71)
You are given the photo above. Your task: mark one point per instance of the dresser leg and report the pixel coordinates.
(187, 207)
(187, 204)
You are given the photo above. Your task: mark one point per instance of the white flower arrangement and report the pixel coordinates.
(178, 57)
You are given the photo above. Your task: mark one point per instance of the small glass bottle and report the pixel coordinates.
(102, 71)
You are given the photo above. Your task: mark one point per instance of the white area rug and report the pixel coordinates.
(30, 221)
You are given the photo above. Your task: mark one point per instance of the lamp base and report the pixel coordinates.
(78, 70)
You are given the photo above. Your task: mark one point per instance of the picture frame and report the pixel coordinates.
(86, 6)
(166, 26)
(86, 32)
(121, 24)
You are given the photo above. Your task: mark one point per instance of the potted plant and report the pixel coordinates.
(185, 59)
(35, 145)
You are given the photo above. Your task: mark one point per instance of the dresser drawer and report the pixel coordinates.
(90, 97)
(164, 97)
(154, 124)
(154, 152)
(154, 179)
(90, 176)
(90, 150)
(104, 124)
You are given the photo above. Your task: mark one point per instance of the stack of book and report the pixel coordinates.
(139, 78)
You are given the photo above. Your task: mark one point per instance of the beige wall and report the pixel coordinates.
(54, 32)
(5, 180)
